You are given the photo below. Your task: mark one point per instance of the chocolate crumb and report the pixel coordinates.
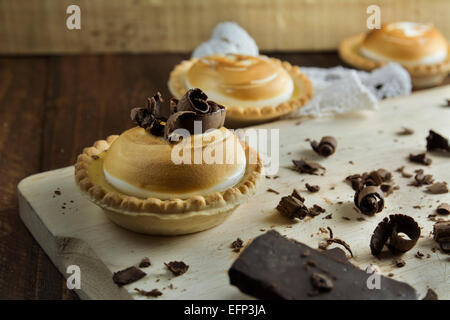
(145, 263)
(127, 276)
(405, 132)
(316, 210)
(342, 243)
(404, 174)
(421, 179)
(420, 158)
(419, 255)
(57, 192)
(237, 245)
(431, 295)
(438, 188)
(399, 263)
(330, 216)
(312, 188)
(177, 267)
(390, 275)
(153, 293)
(443, 208)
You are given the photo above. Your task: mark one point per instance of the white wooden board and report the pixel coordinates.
(81, 235)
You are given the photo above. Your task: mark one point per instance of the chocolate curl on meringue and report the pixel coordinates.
(326, 147)
(369, 200)
(150, 117)
(387, 233)
(194, 106)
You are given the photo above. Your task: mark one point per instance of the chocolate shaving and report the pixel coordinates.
(128, 276)
(369, 200)
(177, 267)
(237, 245)
(145, 263)
(438, 188)
(315, 210)
(293, 206)
(150, 117)
(387, 233)
(342, 243)
(437, 142)
(272, 190)
(420, 158)
(380, 177)
(441, 231)
(312, 188)
(403, 173)
(153, 293)
(194, 106)
(400, 263)
(303, 166)
(443, 208)
(326, 146)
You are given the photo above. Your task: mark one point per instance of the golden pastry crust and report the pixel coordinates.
(349, 51)
(303, 93)
(114, 201)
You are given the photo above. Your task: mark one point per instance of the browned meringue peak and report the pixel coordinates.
(238, 80)
(408, 43)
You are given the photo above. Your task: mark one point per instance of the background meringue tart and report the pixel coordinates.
(420, 48)
(253, 89)
(140, 187)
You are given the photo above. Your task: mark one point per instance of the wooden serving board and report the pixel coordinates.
(80, 234)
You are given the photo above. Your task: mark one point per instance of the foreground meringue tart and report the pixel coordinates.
(170, 175)
(420, 48)
(253, 89)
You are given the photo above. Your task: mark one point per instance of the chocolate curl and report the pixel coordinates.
(369, 200)
(150, 117)
(326, 146)
(194, 106)
(437, 142)
(441, 231)
(387, 233)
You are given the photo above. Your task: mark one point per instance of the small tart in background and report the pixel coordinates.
(137, 178)
(419, 48)
(253, 89)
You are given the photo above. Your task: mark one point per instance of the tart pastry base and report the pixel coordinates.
(239, 116)
(422, 76)
(161, 217)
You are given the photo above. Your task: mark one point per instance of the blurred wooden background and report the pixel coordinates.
(39, 26)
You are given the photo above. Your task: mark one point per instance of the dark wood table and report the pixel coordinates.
(51, 107)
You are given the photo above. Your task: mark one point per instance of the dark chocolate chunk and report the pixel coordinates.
(292, 206)
(387, 233)
(443, 208)
(312, 188)
(326, 146)
(273, 267)
(405, 132)
(431, 295)
(308, 167)
(369, 200)
(437, 142)
(145, 263)
(237, 245)
(420, 158)
(152, 293)
(438, 188)
(441, 231)
(177, 267)
(128, 275)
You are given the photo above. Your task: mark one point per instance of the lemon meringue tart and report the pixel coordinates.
(253, 89)
(419, 48)
(170, 175)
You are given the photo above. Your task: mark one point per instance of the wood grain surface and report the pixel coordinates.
(52, 107)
